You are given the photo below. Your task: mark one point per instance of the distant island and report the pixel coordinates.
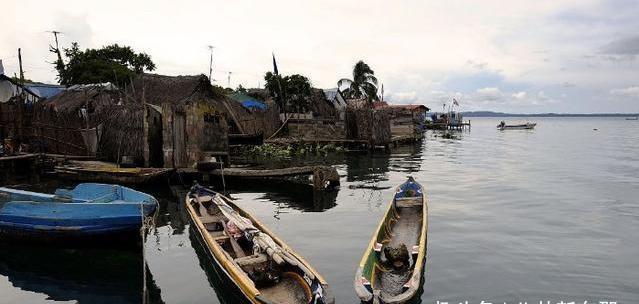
(501, 114)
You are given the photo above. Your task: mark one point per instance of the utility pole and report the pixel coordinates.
(229, 79)
(211, 64)
(20, 62)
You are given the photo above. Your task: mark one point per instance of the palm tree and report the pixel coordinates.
(363, 85)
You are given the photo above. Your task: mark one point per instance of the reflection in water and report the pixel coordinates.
(306, 201)
(80, 275)
(407, 159)
(511, 217)
(297, 197)
(369, 169)
(226, 291)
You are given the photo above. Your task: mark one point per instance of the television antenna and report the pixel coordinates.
(56, 49)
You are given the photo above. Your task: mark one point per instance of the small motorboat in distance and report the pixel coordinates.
(632, 118)
(260, 265)
(89, 212)
(527, 126)
(392, 268)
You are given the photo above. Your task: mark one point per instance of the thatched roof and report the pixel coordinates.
(320, 105)
(159, 89)
(146, 88)
(73, 100)
(258, 93)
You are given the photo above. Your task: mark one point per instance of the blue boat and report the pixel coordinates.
(92, 212)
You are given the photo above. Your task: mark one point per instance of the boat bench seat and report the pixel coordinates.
(250, 260)
(408, 202)
(221, 239)
(210, 221)
(204, 198)
(213, 229)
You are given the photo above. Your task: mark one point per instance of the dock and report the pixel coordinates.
(395, 141)
(448, 126)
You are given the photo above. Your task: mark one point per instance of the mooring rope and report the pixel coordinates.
(148, 222)
(223, 181)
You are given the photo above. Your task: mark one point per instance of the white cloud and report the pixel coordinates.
(626, 92)
(403, 97)
(492, 94)
(544, 45)
(519, 95)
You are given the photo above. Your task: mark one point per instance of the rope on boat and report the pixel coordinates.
(223, 181)
(263, 241)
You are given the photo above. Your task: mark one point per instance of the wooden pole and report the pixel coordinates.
(20, 62)
(57, 47)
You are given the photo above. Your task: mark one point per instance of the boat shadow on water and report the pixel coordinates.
(79, 275)
(226, 291)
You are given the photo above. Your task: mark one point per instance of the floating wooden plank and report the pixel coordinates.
(98, 171)
(17, 157)
(323, 176)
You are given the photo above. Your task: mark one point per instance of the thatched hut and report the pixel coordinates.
(369, 125)
(323, 121)
(98, 119)
(159, 121)
(406, 120)
(194, 118)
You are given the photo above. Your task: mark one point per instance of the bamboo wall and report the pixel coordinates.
(317, 129)
(368, 124)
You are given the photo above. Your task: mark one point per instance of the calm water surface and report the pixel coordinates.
(550, 214)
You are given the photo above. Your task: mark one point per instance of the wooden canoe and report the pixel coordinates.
(378, 279)
(263, 268)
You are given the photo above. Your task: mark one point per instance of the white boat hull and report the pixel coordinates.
(527, 126)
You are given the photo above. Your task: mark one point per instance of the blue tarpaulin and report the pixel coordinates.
(249, 102)
(254, 104)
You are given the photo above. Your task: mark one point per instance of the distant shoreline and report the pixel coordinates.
(501, 114)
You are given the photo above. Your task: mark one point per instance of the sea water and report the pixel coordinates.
(550, 215)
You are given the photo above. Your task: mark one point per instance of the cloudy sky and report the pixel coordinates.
(578, 56)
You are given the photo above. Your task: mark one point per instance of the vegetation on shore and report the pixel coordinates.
(280, 152)
(292, 93)
(113, 63)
